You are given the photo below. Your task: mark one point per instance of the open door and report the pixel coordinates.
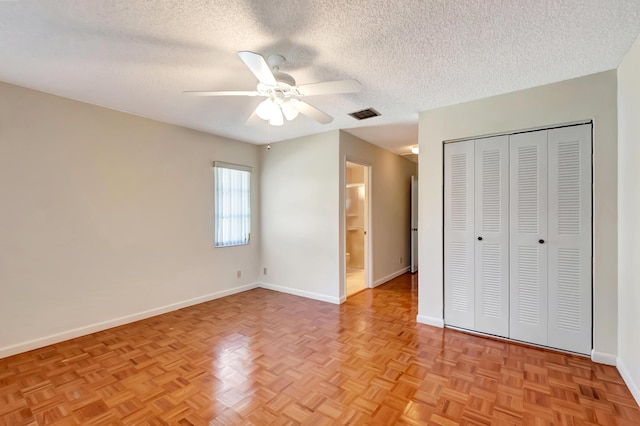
(356, 227)
(414, 224)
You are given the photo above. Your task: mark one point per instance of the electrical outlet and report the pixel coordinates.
(400, 259)
(238, 274)
(264, 271)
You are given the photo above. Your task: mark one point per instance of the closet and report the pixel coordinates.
(517, 243)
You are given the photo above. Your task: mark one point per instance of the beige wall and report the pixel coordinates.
(629, 218)
(355, 174)
(591, 97)
(390, 188)
(302, 198)
(300, 221)
(106, 218)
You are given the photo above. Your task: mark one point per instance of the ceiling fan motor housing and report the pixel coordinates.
(284, 78)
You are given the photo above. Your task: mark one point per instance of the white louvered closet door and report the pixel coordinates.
(492, 235)
(459, 234)
(570, 238)
(528, 235)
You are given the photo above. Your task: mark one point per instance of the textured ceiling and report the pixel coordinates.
(410, 56)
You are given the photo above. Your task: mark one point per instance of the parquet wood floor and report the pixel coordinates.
(266, 358)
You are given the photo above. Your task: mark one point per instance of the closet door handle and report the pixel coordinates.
(541, 241)
(479, 238)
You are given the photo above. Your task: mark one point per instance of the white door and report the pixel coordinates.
(414, 224)
(459, 234)
(492, 235)
(569, 238)
(528, 235)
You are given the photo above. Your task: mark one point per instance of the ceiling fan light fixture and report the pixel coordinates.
(276, 118)
(289, 110)
(264, 110)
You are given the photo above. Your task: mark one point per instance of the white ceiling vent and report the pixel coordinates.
(364, 114)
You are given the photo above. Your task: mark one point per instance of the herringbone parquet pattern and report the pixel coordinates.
(266, 358)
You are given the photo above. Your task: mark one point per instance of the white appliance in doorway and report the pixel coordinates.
(414, 224)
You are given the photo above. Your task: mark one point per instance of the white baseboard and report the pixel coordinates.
(389, 277)
(603, 358)
(93, 328)
(632, 383)
(436, 322)
(302, 293)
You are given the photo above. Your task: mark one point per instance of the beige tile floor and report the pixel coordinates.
(355, 281)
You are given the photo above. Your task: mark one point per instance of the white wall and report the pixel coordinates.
(628, 219)
(591, 97)
(300, 217)
(390, 190)
(106, 218)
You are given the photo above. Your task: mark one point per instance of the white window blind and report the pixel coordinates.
(232, 200)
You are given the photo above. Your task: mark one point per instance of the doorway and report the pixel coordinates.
(356, 227)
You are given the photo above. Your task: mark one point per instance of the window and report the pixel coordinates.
(232, 200)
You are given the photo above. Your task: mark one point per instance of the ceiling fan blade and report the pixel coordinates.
(223, 93)
(311, 111)
(258, 67)
(330, 88)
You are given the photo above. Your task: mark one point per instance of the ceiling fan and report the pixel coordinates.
(282, 93)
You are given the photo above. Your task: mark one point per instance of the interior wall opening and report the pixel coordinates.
(356, 223)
